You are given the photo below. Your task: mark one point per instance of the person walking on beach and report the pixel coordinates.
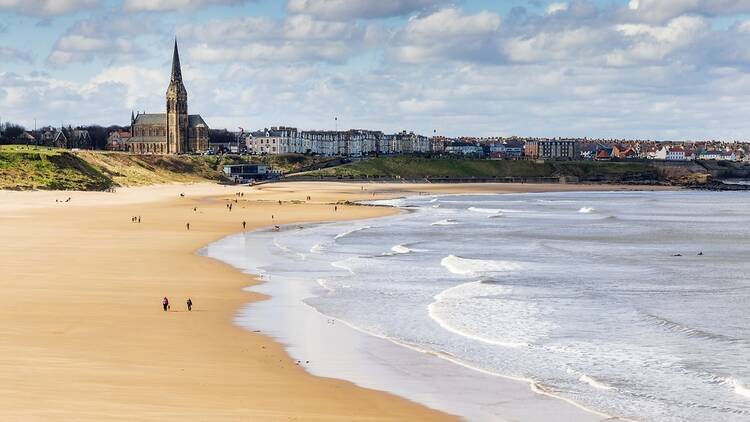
(187, 225)
(244, 224)
(189, 303)
(139, 219)
(165, 303)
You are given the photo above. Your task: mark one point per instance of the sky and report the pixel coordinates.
(645, 69)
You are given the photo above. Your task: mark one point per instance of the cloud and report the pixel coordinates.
(8, 54)
(296, 38)
(556, 7)
(46, 7)
(175, 5)
(661, 10)
(647, 43)
(447, 34)
(363, 9)
(103, 37)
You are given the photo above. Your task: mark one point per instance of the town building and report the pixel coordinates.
(118, 140)
(173, 132)
(552, 149)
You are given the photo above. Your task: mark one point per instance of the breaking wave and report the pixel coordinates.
(447, 222)
(347, 233)
(476, 267)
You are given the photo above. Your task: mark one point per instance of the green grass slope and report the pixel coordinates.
(24, 168)
(408, 167)
(29, 167)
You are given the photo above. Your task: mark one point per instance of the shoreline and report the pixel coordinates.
(87, 341)
(391, 364)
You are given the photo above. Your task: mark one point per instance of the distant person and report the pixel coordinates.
(187, 226)
(244, 224)
(336, 208)
(189, 303)
(165, 304)
(279, 201)
(182, 195)
(700, 253)
(139, 219)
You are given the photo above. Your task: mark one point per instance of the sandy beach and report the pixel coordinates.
(83, 333)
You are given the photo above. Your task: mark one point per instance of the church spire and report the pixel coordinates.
(176, 69)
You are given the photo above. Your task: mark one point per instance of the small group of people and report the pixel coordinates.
(165, 304)
(135, 219)
(229, 206)
(309, 198)
(67, 200)
(239, 194)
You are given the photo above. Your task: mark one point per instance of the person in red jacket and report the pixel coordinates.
(165, 303)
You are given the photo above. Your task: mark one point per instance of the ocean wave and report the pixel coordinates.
(447, 222)
(401, 249)
(588, 380)
(478, 311)
(343, 265)
(739, 387)
(587, 210)
(316, 248)
(678, 328)
(475, 267)
(486, 210)
(324, 284)
(347, 233)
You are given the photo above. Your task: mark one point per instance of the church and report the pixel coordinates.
(173, 132)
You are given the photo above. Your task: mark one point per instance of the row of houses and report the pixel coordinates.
(349, 143)
(359, 142)
(665, 152)
(64, 137)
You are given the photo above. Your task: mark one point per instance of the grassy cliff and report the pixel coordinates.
(24, 167)
(406, 167)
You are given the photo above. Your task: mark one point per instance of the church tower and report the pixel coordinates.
(177, 109)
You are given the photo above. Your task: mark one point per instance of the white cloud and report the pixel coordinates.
(648, 43)
(46, 7)
(174, 5)
(447, 33)
(106, 36)
(297, 38)
(366, 9)
(556, 7)
(8, 54)
(662, 10)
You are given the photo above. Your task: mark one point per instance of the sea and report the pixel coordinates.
(634, 305)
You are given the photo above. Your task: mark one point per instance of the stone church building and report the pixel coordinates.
(173, 132)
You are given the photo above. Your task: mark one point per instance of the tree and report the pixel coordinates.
(9, 132)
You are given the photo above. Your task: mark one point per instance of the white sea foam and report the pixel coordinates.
(475, 267)
(478, 311)
(316, 248)
(324, 284)
(447, 222)
(486, 210)
(347, 233)
(586, 210)
(739, 387)
(401, 249)
(344, 265)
